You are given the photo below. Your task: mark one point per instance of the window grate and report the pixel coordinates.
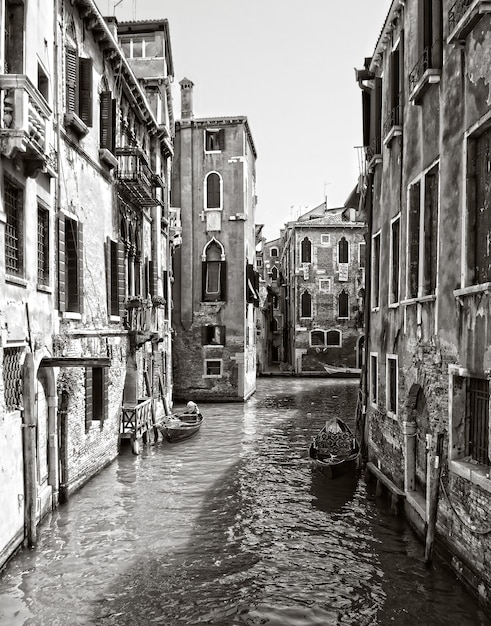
(12, 377)
(13, 229)
(477, 420)
(43, 246)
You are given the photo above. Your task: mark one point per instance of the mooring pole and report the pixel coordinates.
(436, 469)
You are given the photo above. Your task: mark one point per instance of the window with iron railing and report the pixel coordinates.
(12, 378)
(477, 420)
(43, 246)
(14, 229)
(428, 65)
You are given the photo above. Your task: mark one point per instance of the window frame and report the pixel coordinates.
(306, 292)
(392, 403)
(96, 396)
(394, 292)
(306, 252)
(373, 380)
(219, 192)
(214, 132)
(14, 230)
(345, 293)
(43, 246)
(206, 363)
(325, 239)
(375, 271)
(345, 252)
(427, 224)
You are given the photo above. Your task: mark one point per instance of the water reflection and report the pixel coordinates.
(229, 528)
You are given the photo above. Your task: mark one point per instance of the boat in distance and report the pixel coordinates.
(178, 427)
(336, 371)
(334, 450)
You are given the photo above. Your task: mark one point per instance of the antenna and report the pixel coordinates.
(325, 192)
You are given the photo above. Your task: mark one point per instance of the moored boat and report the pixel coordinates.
(342, 372)
(178, 427)
(334, 450)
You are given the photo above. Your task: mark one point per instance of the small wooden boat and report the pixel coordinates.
(334, 450)
(178, 427)
(342, 372)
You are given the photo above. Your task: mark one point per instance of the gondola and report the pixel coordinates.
(178, 427)
(334, 450)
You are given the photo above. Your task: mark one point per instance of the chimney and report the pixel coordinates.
(187, 99)
(112, 24)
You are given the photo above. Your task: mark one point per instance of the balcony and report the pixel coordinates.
(373, 154)
(24, 125)
(463, 16)
(145, 319)
(424, 73)
(392, 125)
(136, 177)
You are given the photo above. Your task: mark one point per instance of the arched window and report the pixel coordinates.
(317, 338)
(343, 250)
(213, 191)
(333, 338)
(274, 252)
(343, 304)
(306, 251)
(274, 273)
(213, 272)
(274, 325)
(306, 305)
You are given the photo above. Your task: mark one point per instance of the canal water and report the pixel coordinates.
(233, 528)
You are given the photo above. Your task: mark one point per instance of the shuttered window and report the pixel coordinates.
(114, 277)
(70, 265)
(78, 85)
(107, 121)
(96, 395)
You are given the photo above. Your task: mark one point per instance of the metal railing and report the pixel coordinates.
(392, 119)
(457, 12)
(428, 60)
(135, 173)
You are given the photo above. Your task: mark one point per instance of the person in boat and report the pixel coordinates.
(192, 408)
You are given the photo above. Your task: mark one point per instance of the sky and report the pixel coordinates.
(288, 66)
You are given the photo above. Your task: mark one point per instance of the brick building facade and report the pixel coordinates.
(322, 261)
(86, 152)
(425, 192)
(216, 285)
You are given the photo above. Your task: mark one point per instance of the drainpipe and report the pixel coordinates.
(29, 448)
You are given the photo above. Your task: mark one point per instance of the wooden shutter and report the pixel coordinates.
(80, 266)
(401, 75)
(221, 139)
(365, 103)
(89, 397)
(61, 264)
(249, 283)
(377, 116)
(121, 278)
(223, 338)
(204, 269)
(107, 263)
(107, 121)
(85, 91)
(105, 394)
(223, 280)
(71, 80)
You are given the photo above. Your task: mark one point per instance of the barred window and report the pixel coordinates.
(43, 246)
(12, 377)
(14, 235)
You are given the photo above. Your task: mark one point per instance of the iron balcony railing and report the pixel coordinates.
(392, 119)
(457, 12)
(430, 59)
(136, 176)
